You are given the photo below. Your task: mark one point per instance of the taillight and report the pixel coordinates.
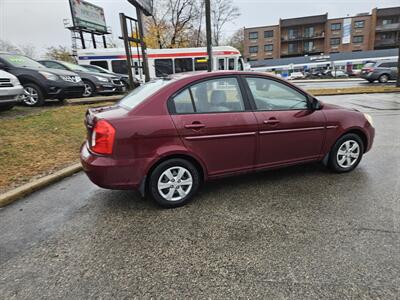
(368, 70)
(103, 138)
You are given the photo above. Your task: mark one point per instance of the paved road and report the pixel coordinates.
(339, 84)
(297, 233)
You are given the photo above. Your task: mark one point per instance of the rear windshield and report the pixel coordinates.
(141, 93)
(21, 61)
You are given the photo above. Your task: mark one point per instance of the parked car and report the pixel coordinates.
(94, 83)
(39, 82)
(383, 71)
(216, 124)
(10, 90)
(336, 74)
(124, 78)
(296, 75)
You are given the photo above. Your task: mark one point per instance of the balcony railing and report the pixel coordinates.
(386, 43)
(300, 37)
(301, 52)
(388, 27)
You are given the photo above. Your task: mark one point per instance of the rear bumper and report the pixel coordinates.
(369, 76)
(111, 173)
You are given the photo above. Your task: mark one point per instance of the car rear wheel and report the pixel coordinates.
(174, 182)
(383, 78)
(33, 95)
(346, 154)
(90, 89)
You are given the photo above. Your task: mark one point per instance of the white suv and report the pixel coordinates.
(10, 90)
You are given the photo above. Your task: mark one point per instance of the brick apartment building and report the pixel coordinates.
(315, 35)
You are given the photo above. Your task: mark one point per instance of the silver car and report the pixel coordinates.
(10, 90)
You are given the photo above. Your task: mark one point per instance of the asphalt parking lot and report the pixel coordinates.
(295, 233)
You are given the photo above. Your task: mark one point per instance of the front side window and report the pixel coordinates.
(359, 24)
(253, 35)
(211, 96)
(183, 65)
(272, 95)
(358, 39)
(54, 65)
(163, 67)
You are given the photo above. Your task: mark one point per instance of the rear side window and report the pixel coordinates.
(211, 96)
(387, 65)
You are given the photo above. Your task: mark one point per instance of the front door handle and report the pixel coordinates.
(195, 126)
(272, 121)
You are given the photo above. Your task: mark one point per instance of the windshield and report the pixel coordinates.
(141, 93)
(21, 61)
(74, 67)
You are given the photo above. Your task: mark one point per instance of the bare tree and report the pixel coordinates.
(60, 53)
(237, 40)
(222, 12)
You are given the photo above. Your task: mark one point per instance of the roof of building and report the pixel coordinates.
(304, 20)
(329, 57)
(390, 11)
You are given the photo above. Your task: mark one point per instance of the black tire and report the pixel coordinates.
(371, 80)
(35, 97)
(334, 163)
(6, 107)
(384, 78)
(158, 172)
(92, 88)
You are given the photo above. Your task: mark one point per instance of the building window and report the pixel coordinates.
(389, 21)
(293, 33)
(253, 35)
(309, 46)
(253, 49)
(268, 34)
(358, 39)
(336, 26)
(359, 24)
(335, 41)
(309, 32)
(387, 36)
(268, 48)
(292, 48)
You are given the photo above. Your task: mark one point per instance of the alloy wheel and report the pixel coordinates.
(175, 183)
(88, 90)
(31, 96)
(348, 154)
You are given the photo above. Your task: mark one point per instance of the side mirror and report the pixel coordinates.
(313, 103)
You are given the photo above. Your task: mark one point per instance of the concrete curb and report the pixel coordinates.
(93, 100)
(26, 189)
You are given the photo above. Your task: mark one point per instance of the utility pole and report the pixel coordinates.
(209, 37)
(398, 61)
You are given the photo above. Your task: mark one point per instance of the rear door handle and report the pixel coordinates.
(195, 126)
(271, 121)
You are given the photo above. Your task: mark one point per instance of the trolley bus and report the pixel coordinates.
(163, 62)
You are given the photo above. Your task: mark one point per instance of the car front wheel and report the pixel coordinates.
(90, 89)
(346, 154)
(174, 182)
(33, 95)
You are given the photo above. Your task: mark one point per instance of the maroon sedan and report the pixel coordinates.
(169, 135)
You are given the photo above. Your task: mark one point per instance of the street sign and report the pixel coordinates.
(144, 5)
(88, 16)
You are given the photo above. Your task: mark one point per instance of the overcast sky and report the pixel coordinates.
(40, 22)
